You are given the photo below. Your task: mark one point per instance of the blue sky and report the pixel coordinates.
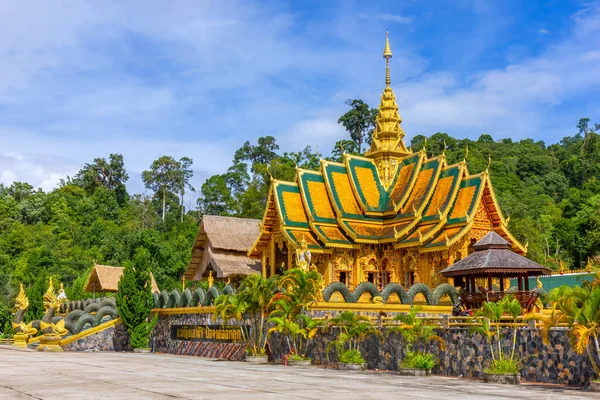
(82, 79)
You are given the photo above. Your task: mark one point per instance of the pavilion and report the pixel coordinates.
(493, 260)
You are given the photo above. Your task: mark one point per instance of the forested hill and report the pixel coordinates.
(551, 193)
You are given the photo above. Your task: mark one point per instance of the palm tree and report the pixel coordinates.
(580, 308)
(250, 308)
(416, 330)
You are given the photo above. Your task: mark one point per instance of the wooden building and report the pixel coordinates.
(221, 247)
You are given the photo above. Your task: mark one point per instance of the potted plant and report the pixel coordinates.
(579, 307)
(353, 330)
(249, 307)
(417, 332)
(298, 290)
(502, 368)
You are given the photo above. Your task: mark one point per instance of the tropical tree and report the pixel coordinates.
(109, 174)
(489, 324)
(185, 174)
(298, 291)
(134, 299)
(359, 122)
(417, 332)
(164, 176)
(579, 307)
(249, 307)
(353, 330)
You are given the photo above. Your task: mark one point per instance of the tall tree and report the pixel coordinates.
(359, 122)
(164, 176)
(134, 299)
(185, 174)
(109, 174)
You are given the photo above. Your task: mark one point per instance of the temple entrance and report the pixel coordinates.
(281, 258)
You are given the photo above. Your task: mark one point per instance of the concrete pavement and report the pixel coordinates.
(81, 375)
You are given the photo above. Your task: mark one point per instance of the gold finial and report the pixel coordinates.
(183, 283)
(269, 171)
(425, 144)
(466, 152)
(387, 54)
(445, 147)
(489, 162)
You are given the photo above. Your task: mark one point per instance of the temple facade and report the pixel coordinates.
(393, 215)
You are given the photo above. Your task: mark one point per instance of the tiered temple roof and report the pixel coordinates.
(391, 195)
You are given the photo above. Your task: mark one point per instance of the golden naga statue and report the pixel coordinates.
(56, 329)
(303, 256)
(21, 302)
(50, 299)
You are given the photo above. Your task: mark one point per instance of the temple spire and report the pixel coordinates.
(387, 54)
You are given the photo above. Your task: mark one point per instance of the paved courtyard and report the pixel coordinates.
(33, 375)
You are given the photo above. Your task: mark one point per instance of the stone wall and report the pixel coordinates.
(464, 354)
(114, 338)
(161, 335)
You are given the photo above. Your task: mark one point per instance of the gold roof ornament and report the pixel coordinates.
(50, 300)
(21, 302)
(466, 152)
(387, 140)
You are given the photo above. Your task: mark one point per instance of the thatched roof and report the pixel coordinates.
(104, 278)
(493, 255)
(228, 264)
(229, 239)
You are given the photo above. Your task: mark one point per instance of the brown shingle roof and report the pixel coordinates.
(492, 255)
(104, 278)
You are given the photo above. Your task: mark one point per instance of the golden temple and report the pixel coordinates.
(391, 216)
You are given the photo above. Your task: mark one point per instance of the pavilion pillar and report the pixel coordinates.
(519, 283)
(526, 281)
(501, 284)
(489, 281)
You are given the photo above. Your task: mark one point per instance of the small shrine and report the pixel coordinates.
(494, 261)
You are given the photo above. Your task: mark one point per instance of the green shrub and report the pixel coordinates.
(424, 361)
(352, 357)
(503, 367)
(297, 357)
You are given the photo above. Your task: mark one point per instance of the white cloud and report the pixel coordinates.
(543, 32)
(393, 18)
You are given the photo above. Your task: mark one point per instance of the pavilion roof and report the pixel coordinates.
(493, 255)
(104, 278)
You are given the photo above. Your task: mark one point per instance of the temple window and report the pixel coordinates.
(409, 279)
(344, 277)
(281, 258)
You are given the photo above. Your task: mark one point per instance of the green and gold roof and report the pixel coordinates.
(391, 195)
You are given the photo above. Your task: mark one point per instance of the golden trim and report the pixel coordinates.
(184, 310)
(335, 306)
(88, 332)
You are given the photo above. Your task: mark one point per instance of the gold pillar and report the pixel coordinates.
(290, 258)
(272, 258)
(263, 260)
